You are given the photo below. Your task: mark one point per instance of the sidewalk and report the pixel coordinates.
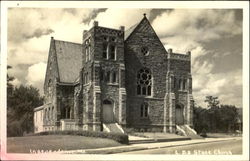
(137, 147)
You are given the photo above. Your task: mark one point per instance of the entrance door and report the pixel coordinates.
(107, 114)
(179, 118)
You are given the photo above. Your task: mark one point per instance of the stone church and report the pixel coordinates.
(114, 80)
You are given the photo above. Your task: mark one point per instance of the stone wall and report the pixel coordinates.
(156, 61)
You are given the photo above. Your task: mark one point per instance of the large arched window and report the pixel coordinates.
(144, 82)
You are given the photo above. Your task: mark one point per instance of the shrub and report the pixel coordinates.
(121, 138)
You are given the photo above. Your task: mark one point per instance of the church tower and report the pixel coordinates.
(103, 73)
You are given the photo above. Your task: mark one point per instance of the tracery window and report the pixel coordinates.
(144, 82)
(145, 51)
(144, 110)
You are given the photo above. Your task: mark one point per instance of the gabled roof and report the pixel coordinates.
(69, 60)
(129, 31)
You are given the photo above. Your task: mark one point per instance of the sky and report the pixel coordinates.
(214, 37)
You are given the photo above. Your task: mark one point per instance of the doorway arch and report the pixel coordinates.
(179, 115)
(107, 112)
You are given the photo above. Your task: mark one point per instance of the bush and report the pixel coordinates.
(121, 138)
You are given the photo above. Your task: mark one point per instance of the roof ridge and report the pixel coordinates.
(68, 42)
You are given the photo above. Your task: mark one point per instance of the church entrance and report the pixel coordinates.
(107, 113)
(179, 118)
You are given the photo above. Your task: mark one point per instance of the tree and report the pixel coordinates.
(21, 102)
(212, 101)
(9, 79)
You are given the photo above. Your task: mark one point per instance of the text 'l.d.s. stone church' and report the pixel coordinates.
(116, 79)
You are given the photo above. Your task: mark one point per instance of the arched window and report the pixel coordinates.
(144, 82)
(112, 52)
(114, 77)
(45, 114)
(52, 113)
(50, 88)
(105, 51)
(144, 110)
(180, 81)
(184, 84)
(49, 114)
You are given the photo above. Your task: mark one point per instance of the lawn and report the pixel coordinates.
(56, 142)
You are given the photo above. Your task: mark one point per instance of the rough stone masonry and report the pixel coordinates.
(116, 79)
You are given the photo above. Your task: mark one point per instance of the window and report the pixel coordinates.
(184, 84)
(112, 52)
(175, 82)
(46, 114)
(86, 54)
(144, 82)
(114, 77)
(105, 51)
(144, 50)
(105, 38)
(49, 114)
(180, 81)
(66, 113)
(108, 76)
(52, 111)
(113, 39)
(144, 110)
(101, 75)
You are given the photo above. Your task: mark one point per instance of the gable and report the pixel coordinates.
(69, 60)
(140, 29)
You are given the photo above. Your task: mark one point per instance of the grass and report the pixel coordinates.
(56, 142)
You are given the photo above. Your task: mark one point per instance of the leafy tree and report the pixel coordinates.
(212, 101)
(9, 79)
(20, 104)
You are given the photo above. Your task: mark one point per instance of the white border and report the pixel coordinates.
(123, 4)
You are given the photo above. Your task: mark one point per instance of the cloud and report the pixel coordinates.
(199, 24)
(36, 75)
(227, 86)
(116, 17)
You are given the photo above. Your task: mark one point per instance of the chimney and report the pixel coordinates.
(170, 51)
(122, 28)
(95, 23)
(189, 53)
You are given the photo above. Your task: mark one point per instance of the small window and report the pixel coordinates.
(114, 77)
(175, 82)
(86, 54)
(184, 84)
(108, 76)
(101, 75)
(105, 51)
(112, 52)
(105, 38)
(89, 51)
(179, 84)
(144, 50)
(113, 39)
(144, 110)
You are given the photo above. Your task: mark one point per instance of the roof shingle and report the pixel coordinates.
(69, 59)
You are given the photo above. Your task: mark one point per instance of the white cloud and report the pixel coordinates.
(36, 75)
(224, 85)
(199, 24)
(116, 17)
(16, 82)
